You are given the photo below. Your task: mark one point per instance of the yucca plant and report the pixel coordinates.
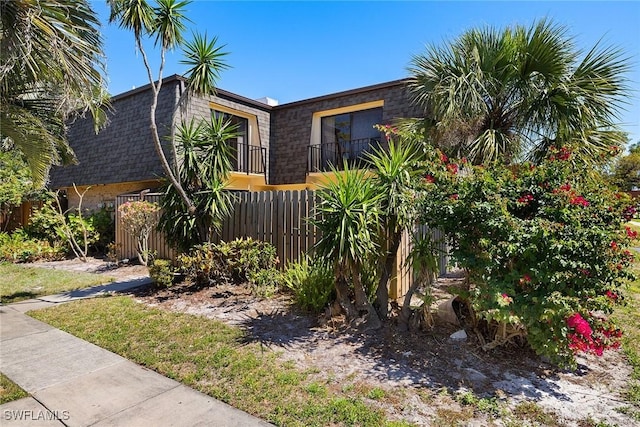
(165, 21)
(206, 163)
(395, 171)
(347, 218)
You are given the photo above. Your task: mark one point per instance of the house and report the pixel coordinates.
(286, 146)
(279, 147)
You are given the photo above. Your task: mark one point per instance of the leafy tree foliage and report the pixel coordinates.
(626, 172)
(15, 183)
(51, 70)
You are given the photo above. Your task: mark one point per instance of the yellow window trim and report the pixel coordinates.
(317, 116)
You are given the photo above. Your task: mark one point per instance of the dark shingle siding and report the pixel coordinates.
(124, 150)
(291, 125)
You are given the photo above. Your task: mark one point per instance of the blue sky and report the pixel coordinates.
(296, 50)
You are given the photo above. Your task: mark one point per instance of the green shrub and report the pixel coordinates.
(161, 273)
(248, 256)
(311, 282)
(105, 227)
(266, 282)
(18, 247)
(232, 262)
(544, 246)
(47, 224)
(44, 223)
(204, 265)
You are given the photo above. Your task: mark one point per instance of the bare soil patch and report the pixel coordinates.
(422, 369)
(119, 271)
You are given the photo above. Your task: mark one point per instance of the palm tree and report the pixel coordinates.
(347, 219)
(51, 70)
(166, 23)
(515, 93)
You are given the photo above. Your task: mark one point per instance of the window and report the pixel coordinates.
(245, 157)
(347, 137)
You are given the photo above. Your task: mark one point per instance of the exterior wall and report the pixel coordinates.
(201, 108)
(291, 125)
(99, 196)
(123, 151)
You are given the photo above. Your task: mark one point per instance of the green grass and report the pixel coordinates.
(628, 318)
(9, 391)
(216, 359)
(19, 282)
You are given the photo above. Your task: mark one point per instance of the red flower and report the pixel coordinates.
(631, 233)
(525, 199)
(613, 245)
(611, 295)
(452, 168)
(581, 326)
(564, 154)
(430, 179)
(454, 197)
(444, 158)
(579, 201)
(525, 279)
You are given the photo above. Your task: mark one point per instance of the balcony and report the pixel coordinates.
(248, 159)
(336, 154)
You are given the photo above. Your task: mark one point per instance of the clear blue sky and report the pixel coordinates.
(296, 50)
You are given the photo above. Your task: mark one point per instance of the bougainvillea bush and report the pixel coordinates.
(544, 246)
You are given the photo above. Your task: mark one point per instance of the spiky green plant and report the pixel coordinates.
(347, 218)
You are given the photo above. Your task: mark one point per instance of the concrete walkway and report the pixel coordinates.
(75, 383)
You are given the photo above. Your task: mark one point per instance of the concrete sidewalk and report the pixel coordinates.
(75, 383)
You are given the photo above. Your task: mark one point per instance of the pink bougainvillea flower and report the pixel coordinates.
(579, 201)
(525, 199)
(579, 324)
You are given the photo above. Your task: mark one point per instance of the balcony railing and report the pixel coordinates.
(248, 159)
(336, 154)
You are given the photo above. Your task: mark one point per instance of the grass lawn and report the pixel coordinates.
(20, 282)
(628, 318)
(9, 391)
(216, 359)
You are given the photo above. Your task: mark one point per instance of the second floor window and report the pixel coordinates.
(351, 127)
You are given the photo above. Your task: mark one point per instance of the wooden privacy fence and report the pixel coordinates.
(277, 217)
